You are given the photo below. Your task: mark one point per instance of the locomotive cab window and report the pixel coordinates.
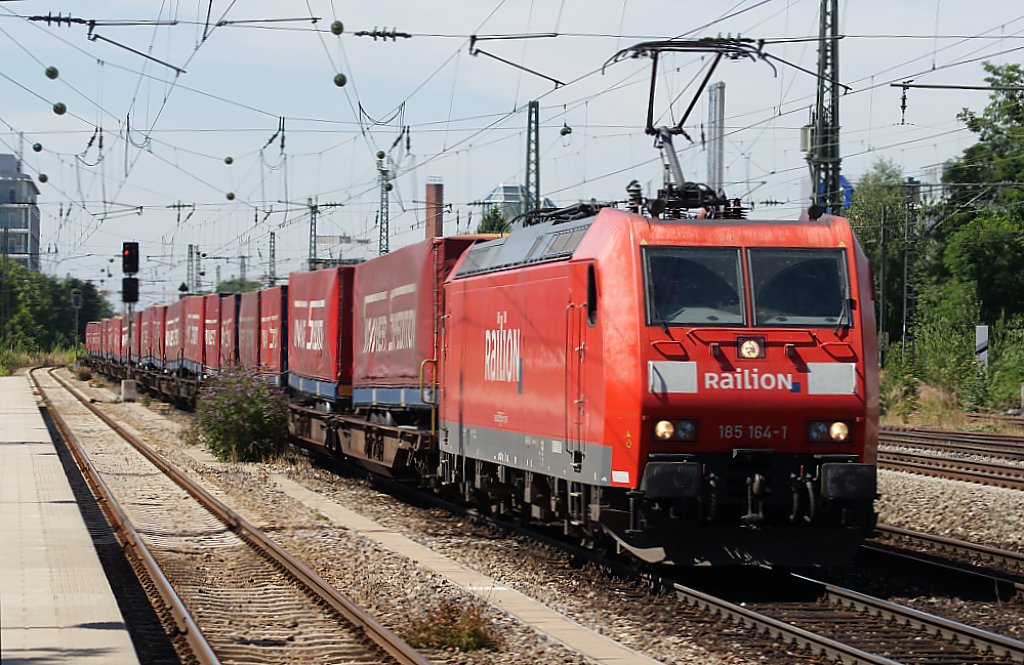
(799, 287)
(591, 296)
(693, 286)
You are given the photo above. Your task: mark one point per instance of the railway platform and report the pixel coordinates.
(56, 604)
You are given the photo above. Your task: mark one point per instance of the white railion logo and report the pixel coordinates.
(246, 332)
(750, 379)
(192, 329)
(173, 333)
(501, 352)
(268, 331)
(309, 334)
(394, 331)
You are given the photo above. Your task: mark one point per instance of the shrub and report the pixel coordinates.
(14, 358)
(242, 417)
(899, 386)
(83, 374)
(451, 624)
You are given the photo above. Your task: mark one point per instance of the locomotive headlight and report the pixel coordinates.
(839, 431)
(686, 430)
(824, 431)
(664, 430)
(751, 347)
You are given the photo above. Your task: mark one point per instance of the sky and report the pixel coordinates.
(172, 134)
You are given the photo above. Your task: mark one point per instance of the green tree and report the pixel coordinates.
(988, 171)
(38, 312)
(237, 285)
(988, 251)
(494, 221)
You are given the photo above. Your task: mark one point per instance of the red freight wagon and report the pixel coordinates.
(320, 339)
(192, 344)
(146, 338)
(174, 326)
(113, 342)
(134, 337)
(104, 334)
(397, 321)
(249, 330)
(93, 331)
(211, 331)
(157, 318)
(228, 331)
(122, 354)
(274, 333)
(152, 335)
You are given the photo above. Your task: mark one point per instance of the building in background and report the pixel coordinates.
(509, 200)
(19, 214)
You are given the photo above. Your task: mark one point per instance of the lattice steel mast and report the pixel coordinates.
(824, 158)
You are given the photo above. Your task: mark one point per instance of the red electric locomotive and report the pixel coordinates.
(703, 391)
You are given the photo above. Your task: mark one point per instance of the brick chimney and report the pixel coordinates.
(435, 208)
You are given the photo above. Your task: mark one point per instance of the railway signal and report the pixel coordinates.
(130, 289)
(130, 258)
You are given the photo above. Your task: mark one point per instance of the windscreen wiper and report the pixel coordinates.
(660, 319)
(845, 316)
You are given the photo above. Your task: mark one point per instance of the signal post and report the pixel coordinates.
(129, 296)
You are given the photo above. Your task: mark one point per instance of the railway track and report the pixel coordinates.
(856, 628)
(1014, 421)
(231, 591)
(820, 620)
(985, 473)
(1001, 566)
(963, 443)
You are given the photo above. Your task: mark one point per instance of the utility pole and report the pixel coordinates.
(272, 271)
(5, 284)
(385, 186)
(532, 198)
(179, 206)
(314, 212)
(198, 261)
(241, 267)
(824, 157)
(190, 273)
(716, 136)
(909, 235)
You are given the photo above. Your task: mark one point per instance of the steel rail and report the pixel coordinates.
(955, 442)
(1001, 645)
(1016, 421)
(960, 434)
(975, 551)
(1011, 477)
(377, 632)
(778, 629)
(129, 537)
(763, 624)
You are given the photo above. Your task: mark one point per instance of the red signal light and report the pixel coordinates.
(130, 258)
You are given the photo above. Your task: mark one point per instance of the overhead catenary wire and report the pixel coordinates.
(447, 123)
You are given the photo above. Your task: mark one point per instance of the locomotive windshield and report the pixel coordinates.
(693, 285)
(799, 287)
